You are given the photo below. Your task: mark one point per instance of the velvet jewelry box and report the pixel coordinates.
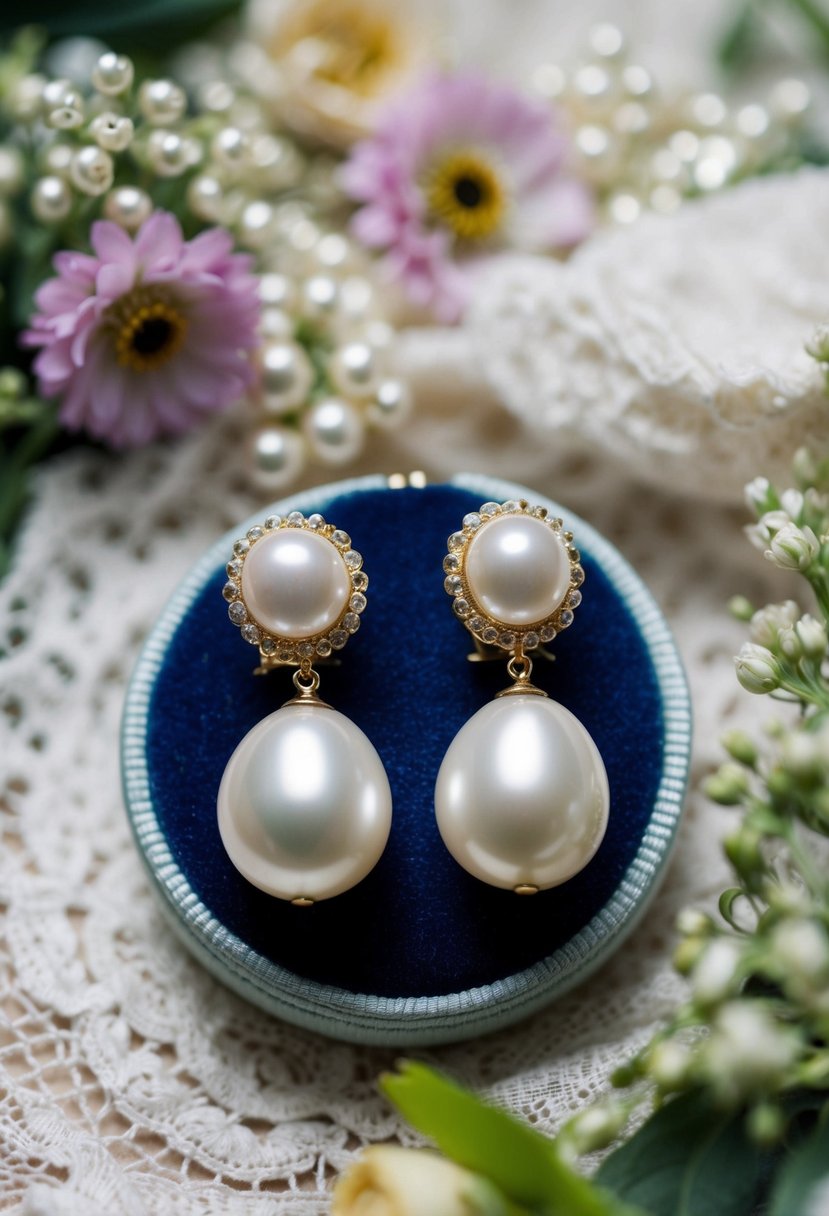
(419, 952)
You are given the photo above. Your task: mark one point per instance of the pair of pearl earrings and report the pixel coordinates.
(521, 797)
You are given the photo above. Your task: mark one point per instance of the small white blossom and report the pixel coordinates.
(792, 503)
(812, 635)
(759, 494)
(747, 1051)
(596, 1127)
(757, 669)
(793, 548)
(715, 975)
(766, 624)
(767, 526)
(802, 949)
(668, 1064)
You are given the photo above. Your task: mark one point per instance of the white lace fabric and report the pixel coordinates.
(131, 1081)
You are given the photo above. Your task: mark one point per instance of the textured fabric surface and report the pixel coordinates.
(418, 925)
(133, 1081)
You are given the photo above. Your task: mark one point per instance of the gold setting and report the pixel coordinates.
(487, 631)
(276, 651)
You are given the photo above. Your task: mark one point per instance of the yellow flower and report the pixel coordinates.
(391, 1181)
(340, 61)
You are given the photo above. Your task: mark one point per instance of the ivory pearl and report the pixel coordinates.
(304, 804)
(335, 430)
(295, 584)
(517, 569)
(277, 457)
(521, 796)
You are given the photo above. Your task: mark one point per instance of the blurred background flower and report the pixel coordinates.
(147, 336)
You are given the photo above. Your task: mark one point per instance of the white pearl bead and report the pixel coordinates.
(112, 74)
(113, 132)
(521, 797)
(287, 376)
(295, 583)
(161, 102)
(277, 458)
(92, 170)
(517, 569)
(51, 199)
(335, 430)
(391, 404)
(205, 195)
(304, 805)
(12, 171)
(353, 369)
(128, 206)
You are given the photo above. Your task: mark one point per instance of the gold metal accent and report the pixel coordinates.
(304, 901)
(306, 682)
(416, 480)
(520, 668)
(525, 888)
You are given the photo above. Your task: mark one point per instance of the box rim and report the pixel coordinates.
(413, 1021)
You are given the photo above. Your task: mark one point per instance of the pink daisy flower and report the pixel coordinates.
(462, 167)
(147, 336)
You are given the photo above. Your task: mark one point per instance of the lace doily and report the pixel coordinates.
(678, 344)
(133, 1082)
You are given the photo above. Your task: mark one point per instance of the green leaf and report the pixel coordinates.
(521, 1162)
(688, 1160)
(804, 1168)
(144, 22)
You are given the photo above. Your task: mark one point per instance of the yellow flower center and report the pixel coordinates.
(148, 331)
(356, 45)
(465, 192)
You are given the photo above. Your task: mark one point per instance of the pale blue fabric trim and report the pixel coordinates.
(411, 1021)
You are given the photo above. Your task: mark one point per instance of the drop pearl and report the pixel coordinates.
(304, 805)
(521, 797)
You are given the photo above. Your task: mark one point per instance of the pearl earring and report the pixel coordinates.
(304, 804)
(521, 797)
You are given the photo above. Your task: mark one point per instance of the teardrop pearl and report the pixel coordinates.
(522, 797)
(304, 804)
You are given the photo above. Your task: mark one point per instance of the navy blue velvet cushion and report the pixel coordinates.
(418, 925)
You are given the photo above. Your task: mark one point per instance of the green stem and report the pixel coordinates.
(815, 16)
(14, 480)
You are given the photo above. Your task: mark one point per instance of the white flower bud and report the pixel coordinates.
(767, 623)
(389, 1181)
(113, 132)
(668, 1064)
(792, 503)
(715, 975)
(812, 636)
(759, 495)
(804, 464)
(596, 1127)
(802, 949)
(112, 74)
(92, 170)
(793, 548)
(690, 922)
(802, 754)
(788, 643)
(757, 669)
(747, 1051)
(767, 526)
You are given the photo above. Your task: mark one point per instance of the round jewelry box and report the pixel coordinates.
(419, 952)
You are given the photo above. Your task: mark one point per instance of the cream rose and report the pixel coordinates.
(391, 1181)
